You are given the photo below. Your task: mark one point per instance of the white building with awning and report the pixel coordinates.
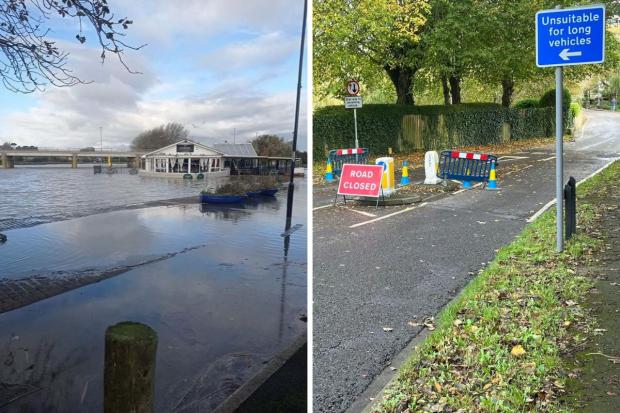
(185, 158)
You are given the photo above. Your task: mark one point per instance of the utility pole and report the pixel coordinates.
(101, 137)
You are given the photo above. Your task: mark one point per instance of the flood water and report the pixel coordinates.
(214, 282)
(36, 195)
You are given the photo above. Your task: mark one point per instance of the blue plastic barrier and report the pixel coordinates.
(339, 157)
(466, 166)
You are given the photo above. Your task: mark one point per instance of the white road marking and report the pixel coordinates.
(598, 171)
(466, 189)
(402, 211)
(552, 202)
(518, 170)
(368, 214)
(508, 158)
(547, 159)
(541, 210)
(595, 144)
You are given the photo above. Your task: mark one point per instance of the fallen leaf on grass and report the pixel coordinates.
(529, 367)
(457, 322)
(517, 351)
(571, 303)
(611, 393)
(437, 387)
(567, 323)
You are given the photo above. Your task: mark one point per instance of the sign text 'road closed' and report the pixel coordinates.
(360, 180)
(574, 36)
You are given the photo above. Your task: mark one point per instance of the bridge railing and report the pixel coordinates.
(121, 150)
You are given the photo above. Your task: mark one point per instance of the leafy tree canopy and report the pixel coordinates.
(364, 40)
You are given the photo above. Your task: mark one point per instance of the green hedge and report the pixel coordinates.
(408, 128)
(548, 99)
(527, 104)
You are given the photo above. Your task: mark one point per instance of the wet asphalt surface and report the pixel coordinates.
(409, 265)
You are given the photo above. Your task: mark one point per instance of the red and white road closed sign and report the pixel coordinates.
(360, 180)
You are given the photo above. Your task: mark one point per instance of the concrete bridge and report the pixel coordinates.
(7, 157)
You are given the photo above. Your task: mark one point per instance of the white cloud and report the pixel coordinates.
(125, 104)
(269, 49)
(162, 20)
(70, 117)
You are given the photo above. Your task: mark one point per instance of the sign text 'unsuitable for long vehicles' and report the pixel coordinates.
(574, 36)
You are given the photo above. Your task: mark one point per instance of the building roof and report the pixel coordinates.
(241, 150)
(186, 141)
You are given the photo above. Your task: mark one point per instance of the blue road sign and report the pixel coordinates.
(574, 36)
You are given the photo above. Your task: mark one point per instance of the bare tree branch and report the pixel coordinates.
(30, 61)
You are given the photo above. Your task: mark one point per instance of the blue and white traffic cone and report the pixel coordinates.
(329, 175)
(404, 179)
(492, 185)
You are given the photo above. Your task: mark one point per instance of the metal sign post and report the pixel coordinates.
(353, 101)
(573, 36)
(357, 144)
(559, 155)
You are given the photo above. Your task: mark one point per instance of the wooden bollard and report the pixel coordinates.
(129, 371)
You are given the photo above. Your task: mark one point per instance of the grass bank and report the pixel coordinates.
(499, 346)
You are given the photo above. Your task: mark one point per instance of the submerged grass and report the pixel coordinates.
(498, 346)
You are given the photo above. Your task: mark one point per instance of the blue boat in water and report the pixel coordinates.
(269, 191)
(222, 199)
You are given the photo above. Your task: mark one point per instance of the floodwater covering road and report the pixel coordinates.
(372, 277)
(220, 286)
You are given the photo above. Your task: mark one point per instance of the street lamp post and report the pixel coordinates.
(291, 185)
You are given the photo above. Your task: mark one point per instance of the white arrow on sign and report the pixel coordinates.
(565, 54)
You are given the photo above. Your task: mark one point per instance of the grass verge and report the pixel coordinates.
(498, 346)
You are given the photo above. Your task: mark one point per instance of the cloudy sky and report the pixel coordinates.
(215, 66)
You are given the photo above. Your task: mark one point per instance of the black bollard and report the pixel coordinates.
(570, 200)
(129, 371)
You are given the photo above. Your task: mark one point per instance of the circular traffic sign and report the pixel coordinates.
(353, 88)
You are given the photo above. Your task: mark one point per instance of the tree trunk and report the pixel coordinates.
(455, 89)
(446, 90)
(402, 78)
(508, 87)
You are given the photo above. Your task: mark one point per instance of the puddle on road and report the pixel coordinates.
(221, 310)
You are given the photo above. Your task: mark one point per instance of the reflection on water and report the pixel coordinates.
(31, 196)
(221, 310)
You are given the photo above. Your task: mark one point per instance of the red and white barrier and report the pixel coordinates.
(469, 155)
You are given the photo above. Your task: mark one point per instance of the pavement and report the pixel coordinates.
(594, 378)
(405, 263)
